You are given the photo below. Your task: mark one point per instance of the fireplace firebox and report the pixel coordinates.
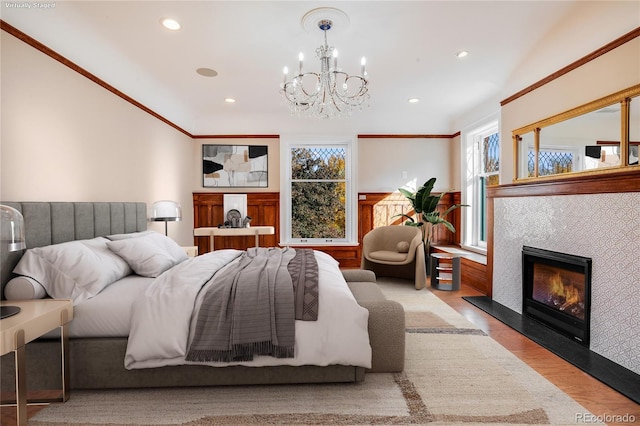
(557, 291)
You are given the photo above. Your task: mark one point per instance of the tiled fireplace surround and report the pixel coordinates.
(604, 227)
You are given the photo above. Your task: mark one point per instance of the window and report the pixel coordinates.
(318, 191)
(552, 160)
(482, 169)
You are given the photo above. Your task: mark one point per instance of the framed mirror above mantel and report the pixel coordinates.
(602, 136)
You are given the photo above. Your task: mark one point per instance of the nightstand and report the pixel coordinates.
(35, 319)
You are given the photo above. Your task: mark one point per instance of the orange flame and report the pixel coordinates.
(570, 293)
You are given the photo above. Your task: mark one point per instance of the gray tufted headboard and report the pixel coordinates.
(48, 223)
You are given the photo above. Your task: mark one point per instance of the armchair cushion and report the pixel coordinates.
(388, 256)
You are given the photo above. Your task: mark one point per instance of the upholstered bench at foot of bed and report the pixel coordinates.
(386, 321)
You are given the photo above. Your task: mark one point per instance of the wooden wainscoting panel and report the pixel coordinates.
(474, 274)
(380, 209)
(262, 207)
(455, 217)
(347, 256)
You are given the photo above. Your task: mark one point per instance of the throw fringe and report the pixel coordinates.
(241, 352)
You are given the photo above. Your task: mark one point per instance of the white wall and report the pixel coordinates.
(582, 26)
(382, 161)
(607, 74)
(64, 138)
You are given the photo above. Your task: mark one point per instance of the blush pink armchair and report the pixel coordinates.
(395, 251)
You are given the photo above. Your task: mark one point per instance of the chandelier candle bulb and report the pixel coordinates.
(286, 72)
(300, 59)
(363, 62)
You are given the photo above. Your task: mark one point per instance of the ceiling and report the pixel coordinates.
(410, 48)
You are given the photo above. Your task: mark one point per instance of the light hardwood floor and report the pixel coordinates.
(592, 394)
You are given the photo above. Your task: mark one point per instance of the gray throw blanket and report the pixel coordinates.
(248, 310)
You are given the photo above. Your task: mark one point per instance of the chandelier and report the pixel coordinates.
(330, 92)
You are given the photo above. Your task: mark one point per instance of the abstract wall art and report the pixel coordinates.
(225, 166)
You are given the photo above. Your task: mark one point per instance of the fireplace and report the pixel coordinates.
(557, 291)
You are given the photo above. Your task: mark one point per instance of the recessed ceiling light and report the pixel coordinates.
(462, 54)
(170, 24)
(207, 72)
(414, 100)
(229, 100)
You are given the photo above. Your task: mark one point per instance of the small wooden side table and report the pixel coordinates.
(35, 319)
(211, 232)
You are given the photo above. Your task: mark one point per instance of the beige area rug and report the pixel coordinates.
(454, 375)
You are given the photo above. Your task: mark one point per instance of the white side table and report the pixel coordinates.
(36, 318)
(211, 232)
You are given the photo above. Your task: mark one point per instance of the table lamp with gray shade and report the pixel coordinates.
(11, 240)
(165, 211)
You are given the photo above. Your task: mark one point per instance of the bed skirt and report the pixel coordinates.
(97, 363)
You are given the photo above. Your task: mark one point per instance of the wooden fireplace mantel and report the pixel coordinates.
(602, 183)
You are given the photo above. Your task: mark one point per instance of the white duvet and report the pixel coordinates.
(162, 320)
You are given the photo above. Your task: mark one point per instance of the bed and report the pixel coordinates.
(103, 352)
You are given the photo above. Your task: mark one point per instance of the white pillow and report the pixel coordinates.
(24, 288)
(116, 237)
(75, 270)
(149, 255)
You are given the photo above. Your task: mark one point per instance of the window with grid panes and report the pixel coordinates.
(489, 168)
(551, 162)
(481, 165)
(318, 203)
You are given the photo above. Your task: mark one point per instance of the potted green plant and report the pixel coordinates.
(426, 214)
